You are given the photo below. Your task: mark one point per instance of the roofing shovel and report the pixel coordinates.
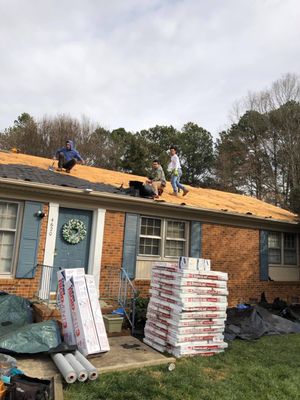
(51, 167)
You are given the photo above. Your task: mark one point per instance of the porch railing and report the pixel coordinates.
(127, 298)
(46, 281)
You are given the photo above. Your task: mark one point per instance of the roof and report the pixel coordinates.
(36, 169)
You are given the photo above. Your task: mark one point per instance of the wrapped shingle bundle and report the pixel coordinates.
(187, 308)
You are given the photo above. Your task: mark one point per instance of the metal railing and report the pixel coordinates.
(127, 298)
(46, 281)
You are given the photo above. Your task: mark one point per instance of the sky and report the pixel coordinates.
(140, 63)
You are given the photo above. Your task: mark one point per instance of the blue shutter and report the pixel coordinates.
(130, 245)
(195, 239)
(263, 250)
(29, 240)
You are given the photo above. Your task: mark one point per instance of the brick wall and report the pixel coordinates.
(29, 287)
(231, 249)
(143, 287)
(236, 251)
(112, 253)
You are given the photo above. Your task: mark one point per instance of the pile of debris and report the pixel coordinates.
(250, 322)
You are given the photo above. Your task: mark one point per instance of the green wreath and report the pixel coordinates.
(74, 231)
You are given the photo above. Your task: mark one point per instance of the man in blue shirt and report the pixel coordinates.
(67, 157)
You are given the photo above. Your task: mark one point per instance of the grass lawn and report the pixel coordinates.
(267, 369)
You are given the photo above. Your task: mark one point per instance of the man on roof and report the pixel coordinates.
(67, 157)
(157, 178)
(175, 168)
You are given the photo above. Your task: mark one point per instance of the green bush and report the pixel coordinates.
(141, 304)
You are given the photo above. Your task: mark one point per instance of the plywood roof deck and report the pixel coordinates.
(197, 197)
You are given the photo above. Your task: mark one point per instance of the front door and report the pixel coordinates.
(68, 254)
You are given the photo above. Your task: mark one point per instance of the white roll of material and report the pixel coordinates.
(64, 367)
(92, 371)
(81, 372)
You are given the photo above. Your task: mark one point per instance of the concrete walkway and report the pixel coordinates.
(126, 353)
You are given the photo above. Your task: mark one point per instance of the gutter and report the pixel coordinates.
(66, 196)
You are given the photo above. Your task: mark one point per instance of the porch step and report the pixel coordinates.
(45, 312)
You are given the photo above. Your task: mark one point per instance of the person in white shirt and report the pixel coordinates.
(176, 172)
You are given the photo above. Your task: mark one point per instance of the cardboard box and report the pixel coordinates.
(191, 264)
(188, 263)
(204, 264)
(96, 312)
(63, 303)
(82, 317)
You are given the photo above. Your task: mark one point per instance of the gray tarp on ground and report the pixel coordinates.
(254, 322)
(18, 334)
(32, 338)
(15, 311)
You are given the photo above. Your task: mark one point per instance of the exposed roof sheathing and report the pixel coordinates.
(105, 180)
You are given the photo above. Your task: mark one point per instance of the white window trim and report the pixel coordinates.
(281, 265)
(163, 238)
(11, 274)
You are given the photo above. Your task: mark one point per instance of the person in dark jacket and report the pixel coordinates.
(67, 157)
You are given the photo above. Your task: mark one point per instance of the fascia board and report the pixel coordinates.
(65, 196)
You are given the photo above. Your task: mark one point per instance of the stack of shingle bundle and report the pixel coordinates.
(187, 308)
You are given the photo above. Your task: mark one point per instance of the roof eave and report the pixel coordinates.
(65, 195)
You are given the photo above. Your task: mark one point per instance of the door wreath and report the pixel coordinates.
(74, 231)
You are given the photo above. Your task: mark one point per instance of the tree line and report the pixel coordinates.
(258, 155)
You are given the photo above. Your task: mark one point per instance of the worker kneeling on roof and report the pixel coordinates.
(67, 157)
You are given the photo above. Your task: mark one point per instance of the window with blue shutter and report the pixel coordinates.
(130, 246)
(9, 214)
(195, 239)
(29, 240)
(264, 264)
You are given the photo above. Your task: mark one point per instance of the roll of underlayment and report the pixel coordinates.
(92, 371)
(80, 370)
(64, 367)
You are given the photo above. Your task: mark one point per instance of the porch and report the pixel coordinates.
(126, 352)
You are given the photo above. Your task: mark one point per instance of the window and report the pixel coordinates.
(289, 249)
(175, 238)
(283, 248)
(150, 238)
(162, 238)
(8, 227)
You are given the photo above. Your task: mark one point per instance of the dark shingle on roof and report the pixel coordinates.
(39, 175)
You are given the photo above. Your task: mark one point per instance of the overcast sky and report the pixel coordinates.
(138, 63)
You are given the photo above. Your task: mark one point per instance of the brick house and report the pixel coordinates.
(255, 242)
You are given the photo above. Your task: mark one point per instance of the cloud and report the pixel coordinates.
(136, 63)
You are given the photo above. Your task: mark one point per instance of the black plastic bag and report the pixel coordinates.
(23, 387)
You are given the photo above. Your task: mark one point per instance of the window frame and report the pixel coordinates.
(282, 251)
(163, 239)
(151, 237)
(17, 232)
